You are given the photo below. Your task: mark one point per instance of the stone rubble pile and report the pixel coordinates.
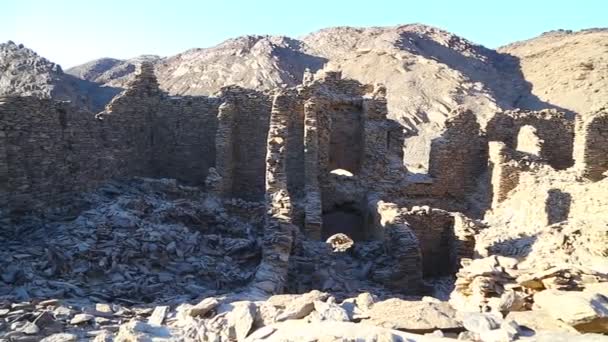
(312, 316)
(142, 240)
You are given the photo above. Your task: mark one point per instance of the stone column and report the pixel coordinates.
(220, 180)
(591, 146)
(271, 275)
(277, 198)
(505, 174)
(313, 209)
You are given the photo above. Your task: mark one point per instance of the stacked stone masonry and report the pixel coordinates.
(553, 128)
(591, 145)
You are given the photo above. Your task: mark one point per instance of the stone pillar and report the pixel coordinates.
(221, 180)
(271, 275)
(505, 174)
(313, 209)
(277, 197)
(591, 146)
(145, 82)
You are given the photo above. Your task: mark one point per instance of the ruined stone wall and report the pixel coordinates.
(249, 133)
(506, 166)
(553, 128)
(401, 243)
(49, 150)
(458, 156)
(172, 137)
(313, 204)
(183, 138)
(434, 229)
(346, 137)
(295, 147)
(591, 146)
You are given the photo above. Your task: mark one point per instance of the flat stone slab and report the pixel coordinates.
(413, 316)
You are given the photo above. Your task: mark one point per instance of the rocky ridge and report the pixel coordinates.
(23, 72)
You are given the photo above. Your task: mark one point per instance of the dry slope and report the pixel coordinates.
(23, 72)
(568, 69)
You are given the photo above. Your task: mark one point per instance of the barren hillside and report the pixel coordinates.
(568, 69)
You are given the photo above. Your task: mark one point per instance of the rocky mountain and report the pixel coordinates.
(568, 69)
(23, 72)
(109, 71)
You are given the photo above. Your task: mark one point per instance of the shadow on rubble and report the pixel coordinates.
(518, 247)
(557, 206)
(501, 73)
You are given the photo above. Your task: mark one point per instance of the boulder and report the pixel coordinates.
(538, 320)
(301, 306)
(413, 316)
(81, 318)
(587, 311)
(203, 307)
(480, 322)
(240, 319)
(330, 312)
(135, 330)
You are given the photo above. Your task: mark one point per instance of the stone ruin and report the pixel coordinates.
(302, 165)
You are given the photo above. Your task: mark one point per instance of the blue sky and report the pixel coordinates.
(71, 32)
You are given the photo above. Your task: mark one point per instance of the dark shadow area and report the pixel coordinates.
(344, 218)
(346, 138)
(514, 247)
(94, 96)
(557, 206)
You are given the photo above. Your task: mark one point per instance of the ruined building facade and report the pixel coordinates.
(323, 157)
